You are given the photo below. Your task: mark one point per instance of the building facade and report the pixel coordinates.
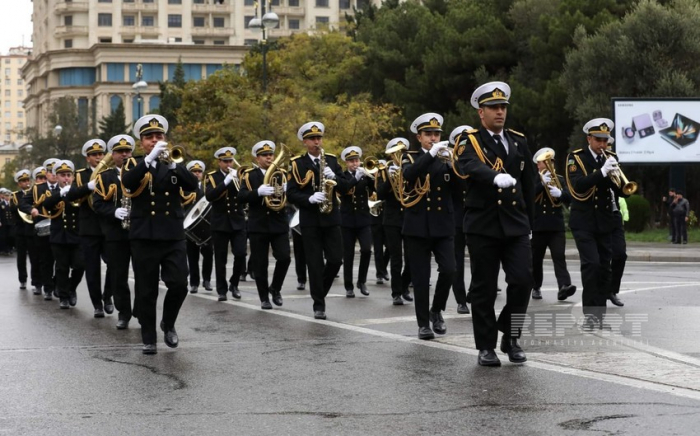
(90, 49)
(13, 91)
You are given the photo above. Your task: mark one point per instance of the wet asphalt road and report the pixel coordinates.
(240, 370)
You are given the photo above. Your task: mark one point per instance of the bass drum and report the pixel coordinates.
(43, 228)
(294, 222)
(197, 225)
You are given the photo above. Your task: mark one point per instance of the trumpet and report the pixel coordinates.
(621, 181)
(174, 153)
(372, 166)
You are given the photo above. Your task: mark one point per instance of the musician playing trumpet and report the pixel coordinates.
(267, 228)
(590, 175)
(548, 229)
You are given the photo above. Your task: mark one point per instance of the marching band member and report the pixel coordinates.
(92, 239)
(156, 231)
(428, 225)
(499, 213)
(548, 228)
(267, 228)
(393, 223)
(319, 216)
(65, 237)
(379, 244)
(355, 220)
(108, 201)
(24, 234)
(7, 228)
(588, 172)
(227, 222)
(197, 168)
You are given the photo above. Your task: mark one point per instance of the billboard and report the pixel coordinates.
(657, 130)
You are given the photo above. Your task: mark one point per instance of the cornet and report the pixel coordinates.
(621, 181)
(174, 153)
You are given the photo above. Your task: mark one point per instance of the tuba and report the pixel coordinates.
(621, 181)
(276, 176)
(547, 158)
(325, 185)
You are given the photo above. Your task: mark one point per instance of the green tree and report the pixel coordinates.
(171, 95)
(114, 124)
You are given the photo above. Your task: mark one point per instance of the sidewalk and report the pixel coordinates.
(649, 252)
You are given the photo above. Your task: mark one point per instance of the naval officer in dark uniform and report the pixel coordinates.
(592, 220)
(499, 212)
(24, 233)
(156, 230)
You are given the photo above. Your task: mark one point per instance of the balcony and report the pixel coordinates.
(140, 7)
(290, 11)
(62, 31)
(70, 7)
(213, 31)
(140, 30)
(212, 9)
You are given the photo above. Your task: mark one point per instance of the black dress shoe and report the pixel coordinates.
(425, 333)
(170, 337)
(407, 296)
(122, 324)
(398, 301)
(277, 299)
(363, 288)
(243, 277)
(463, 309)
(207, 285)
(469, 297)
(48, 296)
(73, 299)
(235, 293)
(386, 278)
(590, 324)
(349, 293)
(565, 292)
(222, 297)
(616, 301)
(511, 347)
(37, 290)
(150, 349)
(536, 294)
(266, 305)
(193, 289)
(488, 358)
(99, 313)
(438, 323)
(319, 314)
(380, 280)
(64, 303)
(109, 307)
(301, 286)
(23, 285)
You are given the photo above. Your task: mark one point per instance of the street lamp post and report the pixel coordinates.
(269, 20)
(139, 86)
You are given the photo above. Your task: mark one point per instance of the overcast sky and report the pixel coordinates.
(15, 24)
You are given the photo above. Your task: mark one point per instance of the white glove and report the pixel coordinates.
(265, 190)
(230, 176)
(172, 166)
(393, 169)
(318, 197)
(157, 150)
(65, 190)
(120, 213)
(504, 181)
(546, 177)
(284, 186)
(328, 173)
(360, 173)
(438, 147)
(91, 185)
(554, 191)
(609, 165)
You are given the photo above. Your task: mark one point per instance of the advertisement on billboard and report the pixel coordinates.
(657, 130)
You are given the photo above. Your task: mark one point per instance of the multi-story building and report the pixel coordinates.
(13, 91)
(90, 49)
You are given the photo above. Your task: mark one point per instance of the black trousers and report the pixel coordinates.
(154, 259)
(193, 251)
(260, 244)
(399, 279)
(46, 262)
(381, 252)
(320, 242)
(4, 237)
(619, 255)
(118, 258)
(459, 288)
(556, 242)
(70, 267)
(299, 257)
(418, 253)
(350, 236)
(595, 253)
(25, 246)
(680, 229)
(487, 254)
(94, 253)
(237, 240)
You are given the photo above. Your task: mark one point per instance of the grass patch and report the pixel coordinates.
(655, 235)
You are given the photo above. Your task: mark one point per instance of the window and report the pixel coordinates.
(104, 1)
(8, 103)
(81, 76)
(106, 40)
(174, 2)
(294, 24)
(218, 21)
(20, 81)
(147, 21)
(250, 42)
(294, 3)
(8, 93)
(344, 4)
(147, 1)
(7, 61)
(7, 137)
(114, 102)
(8, 82)
(322, 21)
(174, 20)
(128, 1)
(219, 42)
(20, 93)
(7, 114)
(8, 71)
(321, 3)
(248, 2)
(104, 20)
(20, 114)
(7, 126)
(198, 21)
(198, 41)
(274, 2)
(128, 41)
(68, 20)
(20, 125)
(198, 2)
(246, 20)
(128, 20)
(68, 43)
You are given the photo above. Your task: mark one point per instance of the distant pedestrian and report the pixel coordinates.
(667, 205)
(680, 209)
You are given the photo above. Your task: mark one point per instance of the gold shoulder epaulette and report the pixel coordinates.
(331, 155)
(296, 157)
(130, 163)
(412, 151)
(577, 151)
(82, 169)
(210, 173)
(470, 131)
(517, 133)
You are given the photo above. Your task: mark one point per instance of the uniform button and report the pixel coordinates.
(74, 227)
(499, 202)
(402, 209)
(439, 208)
(464, 192)
(167, 213)
(268, 213)
(228, 204)
(596, 197)
(439, 189)
(167, 204)
(153, 194)
(500, 190)
(596, 206)
(153, 212)
(428, 198)
(428, 208)
(153, 203)
(513, 203)
(514, 191)
(167, 193)
(439, 198)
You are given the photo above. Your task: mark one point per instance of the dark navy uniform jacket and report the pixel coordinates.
(79, 192)
(106, 198)
(261, 219)
(354, 203)
(227, 213)
(549, 216)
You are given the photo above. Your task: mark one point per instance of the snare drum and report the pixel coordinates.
(43, 228)
(197, 225)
